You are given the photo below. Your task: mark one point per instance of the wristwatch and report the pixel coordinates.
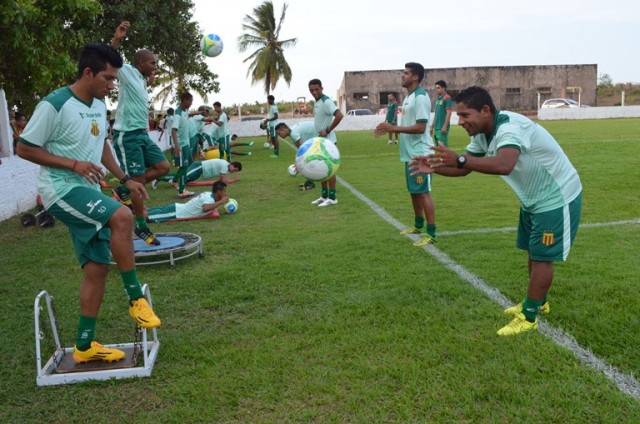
(462, 161)
(125, 179)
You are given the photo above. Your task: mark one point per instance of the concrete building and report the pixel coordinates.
(512, 87)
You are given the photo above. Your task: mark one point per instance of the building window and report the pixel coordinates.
(513, 90)
(544, 90)
(361, 96)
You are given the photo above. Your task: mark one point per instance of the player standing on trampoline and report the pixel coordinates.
(66, 137)
(138, 155)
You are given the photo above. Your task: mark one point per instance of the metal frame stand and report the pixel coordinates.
(54, 372)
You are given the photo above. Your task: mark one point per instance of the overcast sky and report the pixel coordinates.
(335, 36)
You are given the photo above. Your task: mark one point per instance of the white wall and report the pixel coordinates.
(589, 113)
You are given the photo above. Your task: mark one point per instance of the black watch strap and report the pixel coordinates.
(125, 179)
(462, 161)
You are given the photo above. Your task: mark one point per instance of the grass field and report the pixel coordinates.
(301, 314)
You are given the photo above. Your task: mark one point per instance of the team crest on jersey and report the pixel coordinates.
(547, 238)
(95, 130)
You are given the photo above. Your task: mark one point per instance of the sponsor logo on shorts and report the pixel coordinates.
(547, 238)
(91, 205)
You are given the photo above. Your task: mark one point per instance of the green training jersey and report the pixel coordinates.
(543, 177)
(415, 108)
(392, 110)
(303, 131)
(66, 126)
(198, 123)
(133, 100)
(273, 112)
(181, 123)
(324, 109)
(214, 168)
(443, 103)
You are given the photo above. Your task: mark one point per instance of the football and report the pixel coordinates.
(266, 145)
(318, 159)
(231, 206)
(292, 170)
(211, 45)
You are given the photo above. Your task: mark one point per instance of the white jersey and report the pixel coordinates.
(193, 208)
(543, 178)
(65, 126)
(303, 131)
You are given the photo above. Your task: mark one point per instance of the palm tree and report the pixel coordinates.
(268, 63)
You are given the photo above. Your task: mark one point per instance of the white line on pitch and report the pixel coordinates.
(626, 383)
(512, 229)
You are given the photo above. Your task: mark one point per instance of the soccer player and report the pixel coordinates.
(198, 206)
(208, 169)
(181, 148)
(392, 115)
(221, 133)
(299, 133)
(326, 119)
(442, 116)
(415, 141)
(138, 155)
(66, 137)
(272, 121)
(534, 165)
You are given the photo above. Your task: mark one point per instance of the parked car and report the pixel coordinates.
(383, 111)
(563, 103)
(359, 112)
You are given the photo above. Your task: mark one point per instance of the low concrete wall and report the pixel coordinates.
(589, 113)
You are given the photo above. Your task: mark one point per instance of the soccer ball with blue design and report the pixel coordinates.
(211, 45)
(231, 206)
(318, 159)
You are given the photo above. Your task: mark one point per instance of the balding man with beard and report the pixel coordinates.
(140, 158)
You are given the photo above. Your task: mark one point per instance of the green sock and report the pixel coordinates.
(531, 308)
(167, 177)
(86, 332)
(418, 221)
(141, 223)
(325, 192)
(131, 285)
(181, 176)
(276, 152)
(332, 194)
(431, 230)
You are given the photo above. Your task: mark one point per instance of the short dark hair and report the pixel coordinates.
(218, 185)
(441, 83)
(280, 125)
(186, 95)
(237, 165)
(476, 97)
(234, 136)
(315, 81)
(270, 97)
(170, 111)
(416, 69)
(95, 56)
(217, 104)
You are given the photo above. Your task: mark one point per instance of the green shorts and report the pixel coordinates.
(162, 213)
(193, 144)
(548, 236)
(272, 131)
(441, 138)
(185, 159)
(417, 184)
(135, 151)
(85, 211)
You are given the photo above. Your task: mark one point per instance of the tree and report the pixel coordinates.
(268, 63)
(605, 81)
(41, 40)
(38, 50)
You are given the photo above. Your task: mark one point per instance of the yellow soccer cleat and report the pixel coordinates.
(517, 326)
(410, 231)
(142, 314)
(424, 241)
(97, 352)
(516, 309)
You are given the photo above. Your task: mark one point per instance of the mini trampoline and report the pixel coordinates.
(173, 247)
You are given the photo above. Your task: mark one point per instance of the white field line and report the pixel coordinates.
(513, 229)
(626, 383)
